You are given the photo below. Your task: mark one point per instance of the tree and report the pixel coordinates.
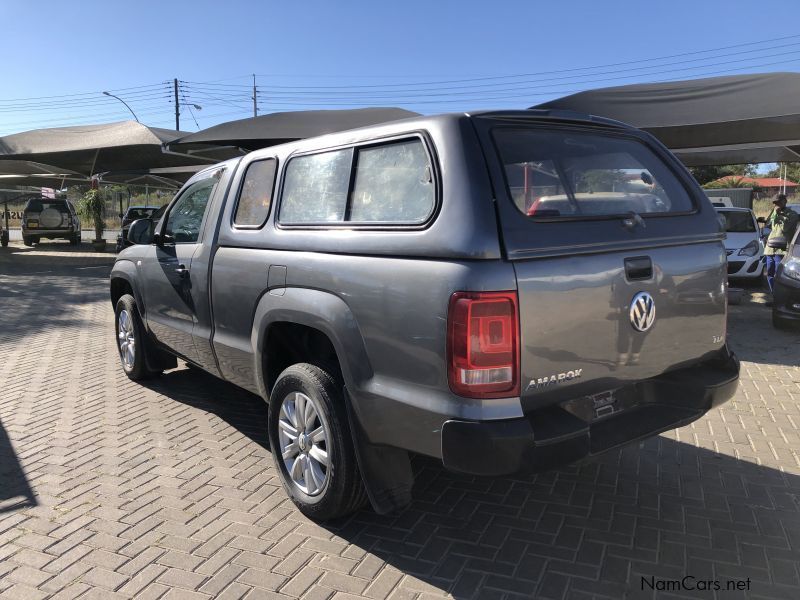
(707, 174)
(792, 172)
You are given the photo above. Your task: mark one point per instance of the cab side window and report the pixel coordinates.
(186, 215)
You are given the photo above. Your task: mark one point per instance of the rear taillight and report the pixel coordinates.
(483, 344)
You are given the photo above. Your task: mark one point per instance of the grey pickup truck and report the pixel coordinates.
(502, 291)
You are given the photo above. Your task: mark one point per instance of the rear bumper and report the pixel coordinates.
(554, 436)
(48, 233)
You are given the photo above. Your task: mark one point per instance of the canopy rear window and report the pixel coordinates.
(578, 175)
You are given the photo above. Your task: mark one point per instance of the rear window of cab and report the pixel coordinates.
(564, 174)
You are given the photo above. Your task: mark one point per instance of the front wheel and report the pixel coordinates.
(131, 339)
(311, 443)
(4, 239)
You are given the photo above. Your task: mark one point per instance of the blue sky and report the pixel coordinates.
(339, 54)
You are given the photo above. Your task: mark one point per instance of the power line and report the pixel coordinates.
(81, 94)
(631, 62)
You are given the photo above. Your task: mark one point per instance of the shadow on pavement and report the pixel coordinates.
(15, 491)
(659, 510)
(45, 290)
(239, 408)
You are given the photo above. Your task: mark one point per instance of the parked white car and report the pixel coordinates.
(743, 244)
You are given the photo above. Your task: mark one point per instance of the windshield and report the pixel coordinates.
(139, 213)
(575, 174)
(37, 206)
(738, 221)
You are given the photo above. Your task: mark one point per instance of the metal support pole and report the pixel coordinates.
(255, 96)
(177, 107)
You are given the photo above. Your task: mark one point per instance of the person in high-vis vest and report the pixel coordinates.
(782, 221)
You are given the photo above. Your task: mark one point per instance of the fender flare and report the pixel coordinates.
(125, 269)
(156, 357)
(319, 310)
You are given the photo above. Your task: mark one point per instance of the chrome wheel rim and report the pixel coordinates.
(125, 339)
(303, 438)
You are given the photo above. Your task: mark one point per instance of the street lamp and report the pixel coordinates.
(125, 103)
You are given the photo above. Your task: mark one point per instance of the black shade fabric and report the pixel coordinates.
(28, 173)
(277, 128)
(91, 149)
(720, 120)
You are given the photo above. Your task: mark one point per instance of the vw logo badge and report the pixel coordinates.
(643, 311)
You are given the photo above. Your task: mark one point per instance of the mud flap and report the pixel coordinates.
(386, 471)
(158, 359)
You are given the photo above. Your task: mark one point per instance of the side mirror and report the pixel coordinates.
(141, 232)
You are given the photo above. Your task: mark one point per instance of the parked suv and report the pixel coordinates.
(50, 218)
(387, 291)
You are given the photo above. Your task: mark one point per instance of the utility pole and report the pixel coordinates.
(177, 107)
(255, 96)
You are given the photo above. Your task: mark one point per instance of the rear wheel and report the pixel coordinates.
(4, 239)
(35, 239)
(131, 339)
(27, 240)
(311, 443)
(75, 239)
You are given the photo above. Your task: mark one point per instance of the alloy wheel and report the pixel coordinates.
(126, 339)
(304, 439)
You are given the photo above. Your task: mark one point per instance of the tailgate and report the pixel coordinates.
(618, 254)
(579, 321)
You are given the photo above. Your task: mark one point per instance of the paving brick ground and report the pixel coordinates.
(110, 489)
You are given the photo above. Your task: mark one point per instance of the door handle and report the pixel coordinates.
(182, 270)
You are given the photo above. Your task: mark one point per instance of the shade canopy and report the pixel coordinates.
(719, 120)
(280, 127)
(92, 149)
(29, 173)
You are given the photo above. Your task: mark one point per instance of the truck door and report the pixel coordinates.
(172, 293)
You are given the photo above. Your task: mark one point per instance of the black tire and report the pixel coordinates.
(4, 239)
(343, 491)
(35, 239)
(75, 239)
(27, 240)
(137, 369)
